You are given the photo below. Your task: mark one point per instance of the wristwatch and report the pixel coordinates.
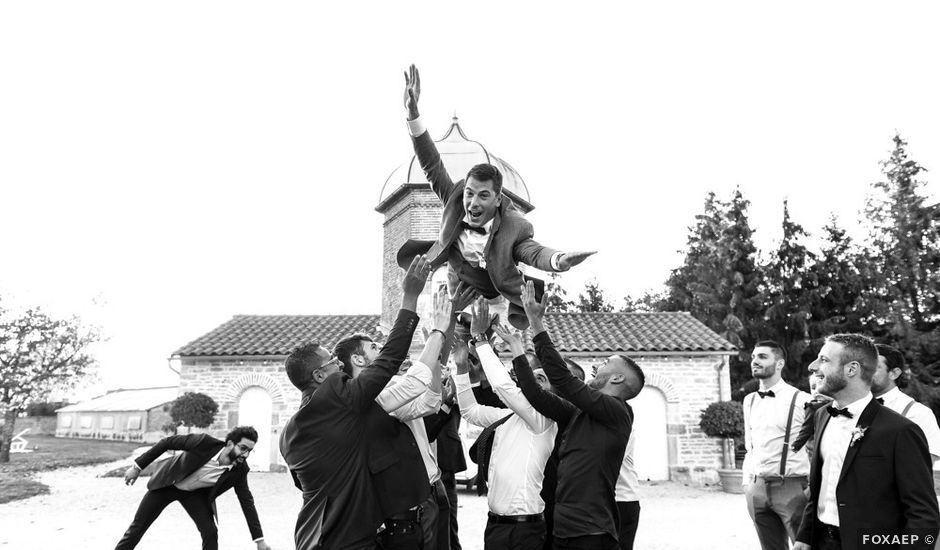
(479, 337)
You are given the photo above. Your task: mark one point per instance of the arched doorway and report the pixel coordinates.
(254, 409)
(652, 451)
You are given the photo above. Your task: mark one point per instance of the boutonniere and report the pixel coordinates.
(857, 434)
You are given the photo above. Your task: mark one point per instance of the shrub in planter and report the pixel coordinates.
(725, 419)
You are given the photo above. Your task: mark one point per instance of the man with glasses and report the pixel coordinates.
(326, 443)
(204, 470)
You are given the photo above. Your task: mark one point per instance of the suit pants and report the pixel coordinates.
(776, 507)
(450, 484)
(435, 511)
(549, 525)
(586, 542)
(196, 504)
(514, 536)
(629, 520)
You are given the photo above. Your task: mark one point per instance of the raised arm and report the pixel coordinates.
(530, 252)
(363, 389)
(605, 408)
(546, 403)
(470, 410)
(425, 150)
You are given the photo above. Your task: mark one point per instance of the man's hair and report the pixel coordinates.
(242, 432)
(894, 359)
(636, 370)
(349, 346)
(777, 348)
(857, 347)
(487, 172)
(572, 365)
(301, 363)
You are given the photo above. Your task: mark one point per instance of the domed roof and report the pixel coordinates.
(459, 154)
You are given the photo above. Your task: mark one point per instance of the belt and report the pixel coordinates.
(830, 531)
(778, 479)
(530, 518)
(411, 515)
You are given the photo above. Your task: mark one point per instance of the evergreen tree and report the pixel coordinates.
(557, 295)
(593, 299)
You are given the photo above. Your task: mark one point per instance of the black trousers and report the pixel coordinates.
(450, 484)
(629, 520)
(549, 525)
(514, 536)
(196, 504)
(587, 542)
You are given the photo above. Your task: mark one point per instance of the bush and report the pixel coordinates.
(194, 410)
(44, 408)
(723, 419)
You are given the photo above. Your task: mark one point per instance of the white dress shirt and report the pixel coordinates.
(408, 399)
(765, 425)
(834, 445)
(919, 414)
(521, 445)
(206, 476)
(627, 483)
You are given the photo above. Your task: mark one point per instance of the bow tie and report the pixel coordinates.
(768, 393)
(481, 230)
(839, 412)
(880, 400)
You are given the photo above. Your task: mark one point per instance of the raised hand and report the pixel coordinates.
(534, 309)
(480, 321)
(464, 295)
(448, 392)
(461, 356)
(412, 91)
(571, 259)
(442, 311)
(416, 276)
(512, 338)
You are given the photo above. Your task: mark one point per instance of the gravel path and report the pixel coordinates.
(86, 512)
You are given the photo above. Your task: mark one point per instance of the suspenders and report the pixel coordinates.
(907, 408)
(786, 437)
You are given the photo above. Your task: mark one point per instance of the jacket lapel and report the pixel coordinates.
(817, 453)
(864, 421)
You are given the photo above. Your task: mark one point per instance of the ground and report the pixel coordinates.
(85, 511)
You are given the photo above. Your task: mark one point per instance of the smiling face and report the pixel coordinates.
(238, 452)
(765, 365)
(829, 370)
(481, 201)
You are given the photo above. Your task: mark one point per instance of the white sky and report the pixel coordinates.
(166, 165)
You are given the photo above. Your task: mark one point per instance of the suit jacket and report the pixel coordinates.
(886, 480)
(198, 450)
(395, 463)
(510, 241)
(444, 428)
(325, 445)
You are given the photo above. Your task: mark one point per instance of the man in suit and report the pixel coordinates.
(443, 430)
(774, 475)
(596, 431)
(325, 444)
(872, 466)
(204, 470)
(890, 376)
(482, 236)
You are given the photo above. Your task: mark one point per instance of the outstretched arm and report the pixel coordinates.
(425, 150)
(470, 410)
(530, 252)
(247, 502)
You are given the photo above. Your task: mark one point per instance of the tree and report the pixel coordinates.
(592, 299)
(194, 410)
(557, 295)
(789, 288)
(38, 354)
(650, 301)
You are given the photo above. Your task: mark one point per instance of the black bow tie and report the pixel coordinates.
(481, 230)
(768, 393)
(880, 400)
(839, 412)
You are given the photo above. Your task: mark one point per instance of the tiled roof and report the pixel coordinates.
(571, 332)
(277, 334)
(140, 399)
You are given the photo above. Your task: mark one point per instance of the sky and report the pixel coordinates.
(166, 165)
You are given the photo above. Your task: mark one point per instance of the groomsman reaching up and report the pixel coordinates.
(594, 441)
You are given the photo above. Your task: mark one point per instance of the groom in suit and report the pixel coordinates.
(204, 470)
(482, 237)
(872, 468)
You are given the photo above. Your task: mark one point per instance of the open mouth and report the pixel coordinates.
(475, 216)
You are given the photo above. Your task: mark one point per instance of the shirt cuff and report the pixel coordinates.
(555, 257)
(259, 539)
(416, 127)
(463, 380)
(445, 408)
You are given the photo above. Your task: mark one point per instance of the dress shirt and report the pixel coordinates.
(919, 414)
(765, 424)
(207, 476)
(627, 483)
(401, 403)
(521, 445)
(472, 244)
(834, 445)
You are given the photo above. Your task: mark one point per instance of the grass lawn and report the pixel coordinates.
(49, 453)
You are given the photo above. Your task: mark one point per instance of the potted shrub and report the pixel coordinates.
(725, 419)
